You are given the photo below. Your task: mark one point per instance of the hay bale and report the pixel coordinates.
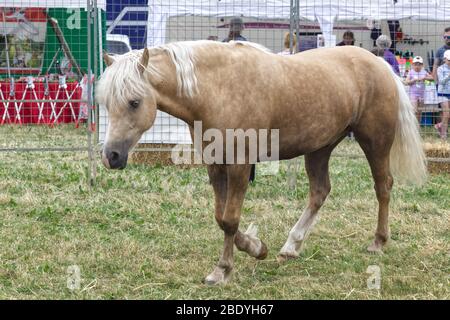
(438, 154)
(155, 154)
(151, 154)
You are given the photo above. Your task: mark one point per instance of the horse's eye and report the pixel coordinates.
(134, 104)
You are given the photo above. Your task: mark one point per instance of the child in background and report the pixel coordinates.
(443, 77)
(415, 79)
(287, 45)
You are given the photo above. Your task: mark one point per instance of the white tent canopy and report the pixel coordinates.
(325, 11)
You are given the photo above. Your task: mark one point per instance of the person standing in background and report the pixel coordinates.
(443, 80)
(236, 27)
(439, 59)
(415, 79)
(348, 39)
(383, 42)
(287, 45)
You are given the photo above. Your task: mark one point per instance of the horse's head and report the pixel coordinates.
(131, 104)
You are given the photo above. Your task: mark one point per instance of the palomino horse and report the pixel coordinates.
(314, 98)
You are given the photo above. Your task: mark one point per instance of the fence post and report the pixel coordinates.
(91, 110)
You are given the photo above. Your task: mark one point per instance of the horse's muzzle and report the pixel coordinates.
(114, 159)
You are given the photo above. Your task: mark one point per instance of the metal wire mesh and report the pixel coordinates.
(416, 28)
(48, 58)
(50, 49)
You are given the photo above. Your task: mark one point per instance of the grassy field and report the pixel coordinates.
(148, 232)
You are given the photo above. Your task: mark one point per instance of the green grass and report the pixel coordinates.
(149, 232)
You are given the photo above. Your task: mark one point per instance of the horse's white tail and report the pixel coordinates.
(407, 158)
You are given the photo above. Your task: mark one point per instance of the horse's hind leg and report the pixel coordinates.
(377, 152)
(248, 241)
(316, 164)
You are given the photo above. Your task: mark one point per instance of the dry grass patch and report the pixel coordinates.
(148, 232)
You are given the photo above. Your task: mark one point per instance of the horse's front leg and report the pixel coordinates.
(237, 182)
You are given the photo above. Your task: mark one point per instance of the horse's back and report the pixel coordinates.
(312, 97)
(342, 88)
(355, 71)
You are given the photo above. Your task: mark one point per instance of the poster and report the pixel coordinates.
(22, 39)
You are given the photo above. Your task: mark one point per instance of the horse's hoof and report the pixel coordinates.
(375, 248)
(263, 253)
(285, 256)
(213, 282)
(217, 277)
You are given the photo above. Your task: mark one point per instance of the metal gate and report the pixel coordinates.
(49, 58)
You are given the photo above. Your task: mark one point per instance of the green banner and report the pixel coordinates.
(74, 27)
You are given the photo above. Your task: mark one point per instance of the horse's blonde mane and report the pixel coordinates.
(122, 81)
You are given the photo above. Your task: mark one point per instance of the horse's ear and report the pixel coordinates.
(144, 60)
(107, 58)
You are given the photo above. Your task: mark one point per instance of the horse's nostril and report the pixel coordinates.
(114, 156)
(114, 159)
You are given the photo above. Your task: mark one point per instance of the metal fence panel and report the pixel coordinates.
(416, 28)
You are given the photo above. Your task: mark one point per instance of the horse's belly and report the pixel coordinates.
(300, 141)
